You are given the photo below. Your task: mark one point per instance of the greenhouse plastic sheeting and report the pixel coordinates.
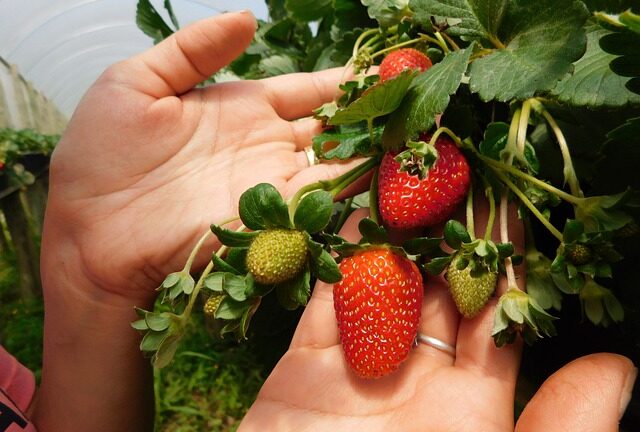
(62, 46)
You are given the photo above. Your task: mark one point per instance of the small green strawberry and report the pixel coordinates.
(470, 292)
(277, 255)
(579, 253)
(212, 304)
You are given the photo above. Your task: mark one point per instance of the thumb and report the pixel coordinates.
(187, 57)
(589, 394)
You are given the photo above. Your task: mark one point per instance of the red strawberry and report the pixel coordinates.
(377, 304)
(406, 202)
(400, 60)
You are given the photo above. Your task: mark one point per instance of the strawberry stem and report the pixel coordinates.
(194, 295)
(361, 38)
(553, 230)
(541, 184)
(443, 43)
(569, 172)
(344, 214)
(198, 246)
(488, 191)
(522, 129)
(334, 186)
(504, 238)
(469, 213)
(373, 197)
(451, 42)
(512, 138)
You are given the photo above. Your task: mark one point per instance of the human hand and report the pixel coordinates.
(313, 389)
(147, 162)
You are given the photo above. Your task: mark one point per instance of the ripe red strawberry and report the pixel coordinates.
(377, 305)
(406, 202)
(400, 60)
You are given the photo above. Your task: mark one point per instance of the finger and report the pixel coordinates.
(475, 347)
(440, 319)
(317, 327)
(589, 394)
(303, 131)
(296, 95)
(188, 57)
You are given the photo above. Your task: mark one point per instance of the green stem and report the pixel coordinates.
(569, 171)
(344, 214)
(339, 184)
(198, 246)
(373, 197)
(396, 46)
(362, 37)
(553, 230)
(522, 128)
(445, 130)
(496, 42)
(541, 184)
(469, 213)
(194, 295)
(492, 212)
(334, 186)
(504, 238)
(443, 45)
(512, 137)
(451, 42)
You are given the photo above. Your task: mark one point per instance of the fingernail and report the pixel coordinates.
(249, 13)
(625, 397)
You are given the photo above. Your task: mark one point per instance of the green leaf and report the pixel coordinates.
(314, 212)
(351, 140)
(372, 232)
(171, 280)
(152, 340)
(387, 12)
(295, 292)
(621, 154)
(221, 265)
(541, 41)
(308, 10)
(278, 65)
(325, 268)
(379, 100)
(234, 285)
(233, 238)
(495, 140)
(455, 234)
(247, 315)
(262, 207)
(592, 82)
(573, 230)
(540, 285)
(474, 19)
(158, 321)
(172, 16)
(230, 309)
(437, 265)
(603, 212)
(423, 245)
(150, 22)
(166, 351)
(429, 95)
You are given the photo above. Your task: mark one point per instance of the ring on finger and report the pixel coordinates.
(436, 343)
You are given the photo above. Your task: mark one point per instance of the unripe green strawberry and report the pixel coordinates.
(469, 293)
(212, 304)
(276, 255)
(579, 254)
(378, 304)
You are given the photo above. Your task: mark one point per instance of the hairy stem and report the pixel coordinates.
(569, 172)
(443, 43)
(469, 213)
(198, 246)
(531, 179)
(361, 38)
(504, 238)
(553, 230)
(451, 42)
(522, 128)
(344, 214)
(373, 197)
(492, 212)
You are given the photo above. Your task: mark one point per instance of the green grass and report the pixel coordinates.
(209, 386)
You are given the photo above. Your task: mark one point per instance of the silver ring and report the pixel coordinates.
(312, 159)
(436, 343)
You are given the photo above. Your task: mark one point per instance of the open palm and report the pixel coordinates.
(159, 162)
(312, 387)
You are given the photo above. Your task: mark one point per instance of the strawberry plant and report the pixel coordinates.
(514, 103)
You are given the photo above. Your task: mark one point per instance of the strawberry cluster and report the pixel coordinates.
(423, 173)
